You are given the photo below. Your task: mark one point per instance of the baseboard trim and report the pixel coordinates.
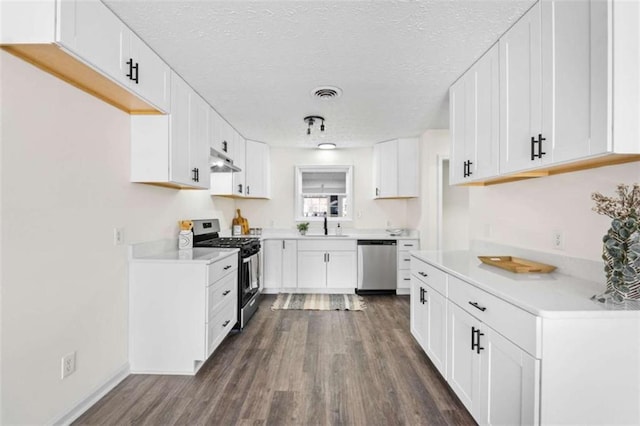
(83, 405)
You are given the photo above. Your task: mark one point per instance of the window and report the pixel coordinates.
(323, 190)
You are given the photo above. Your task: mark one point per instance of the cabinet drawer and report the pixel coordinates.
(326, 245)
(220, 325)
(406, 245)
(429, 275)
(404, 279)
(404, 260)
(512, 322)
(221, 292)
(222, 267)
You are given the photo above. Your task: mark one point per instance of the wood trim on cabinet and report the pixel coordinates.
(53, 60)
(589, 163)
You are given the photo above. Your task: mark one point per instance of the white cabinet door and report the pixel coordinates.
(463, 363)
(312, 269)
(388, 169)
(485, 151)
(574, 78)
(520, 94)
(435, 344)
(257, 170)
(290, 264)
(458, 125)
(418, 312)
(239, 187)
(376, 170)
(179, 162)
(153, 74)
(342, 269)
(199, 141)
(273, 253)
(408, 167)
(99, 38)
(508, 383)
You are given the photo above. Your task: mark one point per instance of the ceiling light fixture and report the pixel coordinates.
(326, 145)
(310, 120)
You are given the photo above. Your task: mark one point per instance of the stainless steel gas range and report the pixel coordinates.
(206, 234)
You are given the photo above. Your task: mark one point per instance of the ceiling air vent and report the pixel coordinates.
(326, 92)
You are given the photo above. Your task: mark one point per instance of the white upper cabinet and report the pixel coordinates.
(91, 31)
(84, 43)
(239, 187)
(257, 175)
(395, 168)
(152, 74)
(221, 134)
(574, 78)
(474, 111)
(567, 91)
(173, 150)
(521, 96)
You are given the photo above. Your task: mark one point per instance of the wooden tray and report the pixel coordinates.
(516, 264)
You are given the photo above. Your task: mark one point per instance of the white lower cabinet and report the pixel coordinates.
(496, 380)
(327, 265)
(280, 264)
(179, 313)
(429, 322)
(404, 264)
(509, 382)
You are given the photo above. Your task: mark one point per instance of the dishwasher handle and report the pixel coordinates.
(360, 267)
(377, 242)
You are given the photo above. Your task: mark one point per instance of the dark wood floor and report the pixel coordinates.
(298, 367)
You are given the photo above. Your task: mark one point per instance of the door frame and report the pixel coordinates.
(440, 185)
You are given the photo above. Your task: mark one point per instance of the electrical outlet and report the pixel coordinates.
(118, 236)
(557, 241)
(68, 364)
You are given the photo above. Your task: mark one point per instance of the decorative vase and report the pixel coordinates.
(621, 255)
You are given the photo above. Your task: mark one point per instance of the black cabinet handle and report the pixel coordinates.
(407, 279)
(224, 146)
(421, 294)
(377, 192)
(282, 244)
(538, 142)
(424, 274)
(475, 305)
(408, 245)
(240, 188)
(226, 292)
(475, 339)
(467, 168)
(195, 174)
(248, 192)
(328, 257)
(133, 67)
(227, 267)
(407, 260)
(424, 296)
(226, 323)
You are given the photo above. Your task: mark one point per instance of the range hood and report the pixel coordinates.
(220, 163)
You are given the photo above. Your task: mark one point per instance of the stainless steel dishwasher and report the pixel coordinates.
(377, 266)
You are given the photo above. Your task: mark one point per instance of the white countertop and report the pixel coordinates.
(194, 255)
(346, 236)
(550, 295)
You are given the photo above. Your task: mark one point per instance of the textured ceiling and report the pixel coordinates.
(256, 62)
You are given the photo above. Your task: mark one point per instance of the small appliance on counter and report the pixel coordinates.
(206, 234)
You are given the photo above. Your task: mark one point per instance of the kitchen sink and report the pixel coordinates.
(326, 236)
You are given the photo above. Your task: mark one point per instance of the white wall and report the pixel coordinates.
(526, 213)
(278, 212)
(455, 213)
(64, 187)
(422, 213)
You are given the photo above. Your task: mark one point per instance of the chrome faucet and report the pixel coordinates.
(325, 224)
